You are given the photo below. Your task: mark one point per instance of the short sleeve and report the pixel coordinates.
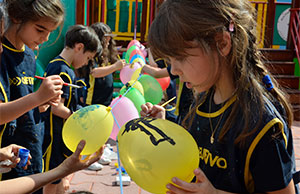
(272, 163)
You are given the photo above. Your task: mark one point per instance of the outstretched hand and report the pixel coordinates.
(75, 163)
(201, 186)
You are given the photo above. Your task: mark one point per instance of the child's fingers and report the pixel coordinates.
(144, 110)
(79, 148)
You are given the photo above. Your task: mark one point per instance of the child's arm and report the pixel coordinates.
(155, 71)
(104, 71)
(61, 110)
(29, 184)
(152, 63)
(49, 89)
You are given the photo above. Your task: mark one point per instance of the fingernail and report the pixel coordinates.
(168, 186)
(174, 180)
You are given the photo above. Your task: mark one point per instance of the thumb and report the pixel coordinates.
(200, 176)
(79, 148)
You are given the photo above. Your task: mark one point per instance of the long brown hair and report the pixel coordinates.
(181, 21)
(109, 54)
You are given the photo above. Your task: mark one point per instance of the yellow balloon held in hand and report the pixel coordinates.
(92, 123)
(153, 151)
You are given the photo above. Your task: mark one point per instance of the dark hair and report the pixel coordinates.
(180, 22)
(109, 55)
(85, 35)
(33, 10)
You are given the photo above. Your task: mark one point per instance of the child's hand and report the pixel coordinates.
(150, 110)
(120, 64)
(202, 185)
(44, 107)
(74, 162)
(10, 153)
(50, 90)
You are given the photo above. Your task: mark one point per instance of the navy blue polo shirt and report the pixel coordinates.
(29, 131)
(54, 147)
(99, 90)
(264, 163)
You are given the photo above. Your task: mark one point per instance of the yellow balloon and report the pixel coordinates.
(92, 123)
(136, 74)
(137, 86)
(153, 151)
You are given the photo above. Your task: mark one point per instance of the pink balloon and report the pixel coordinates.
(123, 112)
(136, 52)
(134, 42)
(127, 71)
(138, 44)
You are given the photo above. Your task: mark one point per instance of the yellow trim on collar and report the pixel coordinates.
(15, 50)
(159, 59)
(220, 111)
(247, 174)
(54, 60)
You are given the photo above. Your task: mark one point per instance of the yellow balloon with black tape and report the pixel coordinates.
(92, 123)
(153, 151)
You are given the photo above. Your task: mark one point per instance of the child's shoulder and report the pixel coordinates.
(58, 65)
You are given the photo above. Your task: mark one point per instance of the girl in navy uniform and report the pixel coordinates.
(31, 24)
(50, 90)
(241, 120)
(81, 45)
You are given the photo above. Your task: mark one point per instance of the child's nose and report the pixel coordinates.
(46, 37)
(175, 69)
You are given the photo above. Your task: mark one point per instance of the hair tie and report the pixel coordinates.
(268, 82)
(231, 26)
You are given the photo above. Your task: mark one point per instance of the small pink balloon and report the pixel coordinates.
(127, 71)
(120, 117)
(138, 44)
(134, 42)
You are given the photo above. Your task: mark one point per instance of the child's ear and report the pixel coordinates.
(223, 43)
(79, 46)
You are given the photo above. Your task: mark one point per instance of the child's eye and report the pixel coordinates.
(39, 30)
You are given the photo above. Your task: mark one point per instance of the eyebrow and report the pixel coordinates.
(43, 27)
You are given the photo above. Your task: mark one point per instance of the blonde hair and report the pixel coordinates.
(180, 22)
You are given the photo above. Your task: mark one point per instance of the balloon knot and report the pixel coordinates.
(108, 109)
